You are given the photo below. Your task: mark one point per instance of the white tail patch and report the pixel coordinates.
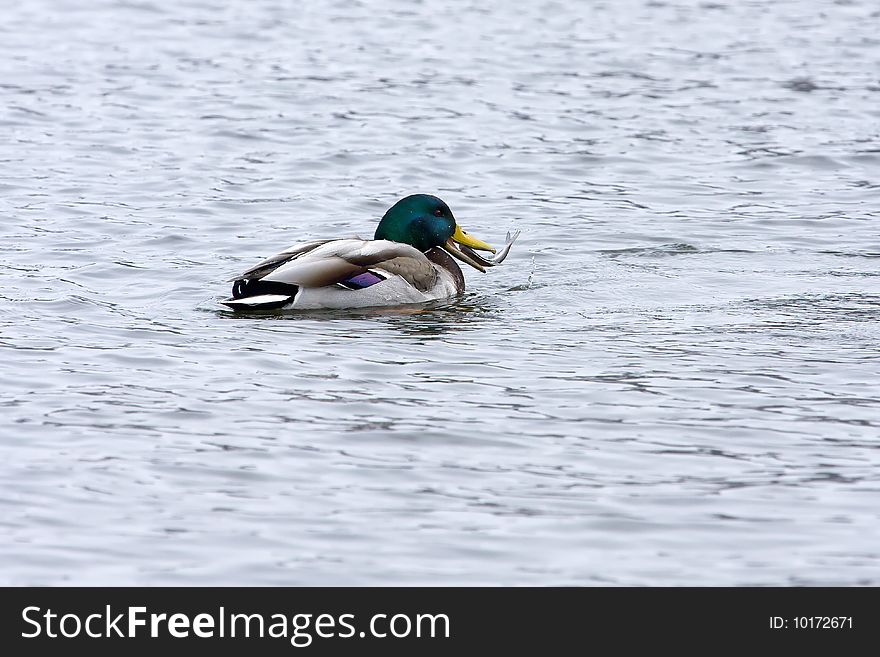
(259, 301)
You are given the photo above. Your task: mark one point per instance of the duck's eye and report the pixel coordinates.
(438, 212)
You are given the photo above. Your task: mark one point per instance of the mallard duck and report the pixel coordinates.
(407, 261)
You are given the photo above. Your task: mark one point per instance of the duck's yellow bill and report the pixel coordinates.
(463, 238)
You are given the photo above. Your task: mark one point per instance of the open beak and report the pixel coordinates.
(471, 258)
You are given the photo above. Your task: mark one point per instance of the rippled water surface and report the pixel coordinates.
(673, 379)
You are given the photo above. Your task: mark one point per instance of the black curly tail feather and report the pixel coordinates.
(244, 289)
(250, 288)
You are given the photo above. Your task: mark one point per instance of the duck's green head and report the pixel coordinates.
(424, 221)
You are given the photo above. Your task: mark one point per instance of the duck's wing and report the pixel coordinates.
(324, 262)
(338, 260)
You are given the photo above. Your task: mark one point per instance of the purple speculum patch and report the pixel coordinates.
(366, 279)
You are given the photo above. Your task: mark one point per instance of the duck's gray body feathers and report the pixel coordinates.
(324, 274)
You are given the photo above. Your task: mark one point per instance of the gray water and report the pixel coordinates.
(673, 379)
